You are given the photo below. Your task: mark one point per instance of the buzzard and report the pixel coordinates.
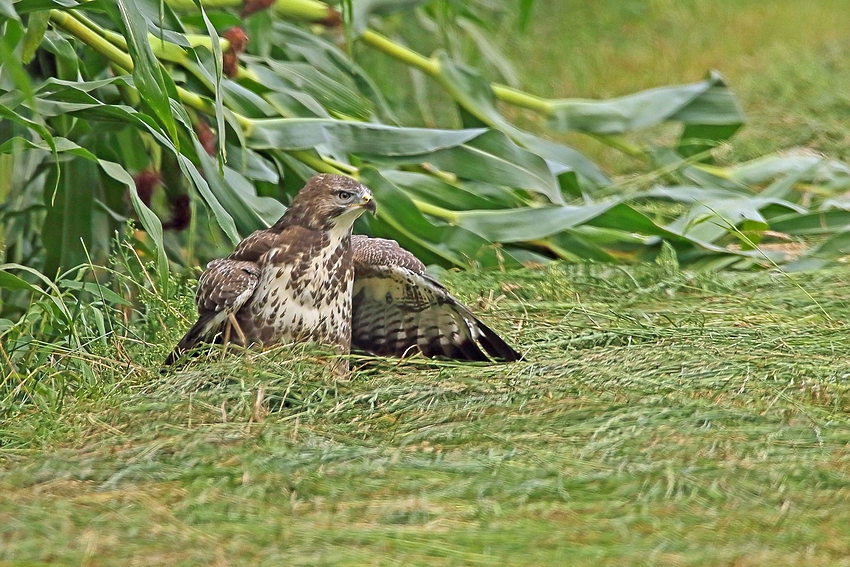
(308, 279)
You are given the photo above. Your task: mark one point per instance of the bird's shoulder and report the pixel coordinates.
(283, 241)
(373, 256)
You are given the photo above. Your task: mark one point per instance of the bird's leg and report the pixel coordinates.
(235, 324)
(232, 325)
(227, 326)
(340, 367)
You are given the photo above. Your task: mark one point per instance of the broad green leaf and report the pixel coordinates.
(223, 189)
(456, 195)
(149, 220)
(265, 209)
(708, 221)
(836, 247)
(286, 100)
(12, 72)
(60, 145)
(337, 95)
(506, 163)
(562, 159)
(446, 245)
(94, 289)
(252, 165)
(91, 108)
(352, 137)
(704, 103)
(690, 168)
(7, 9)
(490, 52)
(163, 22)
(147, 74)
(219, 107)
(67, 230)
(782, 187)
(475, 95)
(598, 244)
(490, 157)
(687, 193)
(813, 223)
(36, 26)
(830, 173)
(472, 92)
(11, 281)
(54, 297)
(67, 62)
(534, 223)
(326, 57)
(29, 6)
(245, 101)
(224, 219)
(528, 223)
(43, 132)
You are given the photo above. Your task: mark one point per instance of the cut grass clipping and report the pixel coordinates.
(661, 417)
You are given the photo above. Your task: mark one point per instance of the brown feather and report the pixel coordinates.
(288, 282)
(308, 278)
(399, 310)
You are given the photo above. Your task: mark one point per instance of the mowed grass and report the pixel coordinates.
(660, 418)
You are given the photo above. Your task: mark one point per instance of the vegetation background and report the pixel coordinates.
(664, 415)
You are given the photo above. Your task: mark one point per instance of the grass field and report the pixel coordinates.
(789, 63)
(661, 417)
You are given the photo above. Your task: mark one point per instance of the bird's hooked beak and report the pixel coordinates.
(367, 201)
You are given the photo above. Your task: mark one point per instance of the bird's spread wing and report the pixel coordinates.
(224, 287)
(399, 310)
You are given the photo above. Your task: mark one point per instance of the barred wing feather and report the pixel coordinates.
(399, 310)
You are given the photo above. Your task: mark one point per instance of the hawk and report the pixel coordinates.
(308, 279)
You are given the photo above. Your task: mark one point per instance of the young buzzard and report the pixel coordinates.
(307, 279)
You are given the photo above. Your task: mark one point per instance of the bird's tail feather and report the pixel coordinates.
(494, 344)
(205, 328)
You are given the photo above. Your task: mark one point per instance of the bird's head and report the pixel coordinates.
(329, 201)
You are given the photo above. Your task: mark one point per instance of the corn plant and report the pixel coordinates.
(201, 119)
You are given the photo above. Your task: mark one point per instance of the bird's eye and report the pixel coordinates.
(344, 195)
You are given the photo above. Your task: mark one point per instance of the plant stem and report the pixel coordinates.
(162, 49)
(88, 36)
(310, 10)
(123, 60)
(428, 66)
(95, 37)
(521, 98)
(620, 143)
(435, 211)
(350, 169)
(317, 163)
(516, 97)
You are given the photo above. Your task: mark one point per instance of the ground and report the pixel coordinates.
(661, 418)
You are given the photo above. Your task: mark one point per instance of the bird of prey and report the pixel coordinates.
(307, 279)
